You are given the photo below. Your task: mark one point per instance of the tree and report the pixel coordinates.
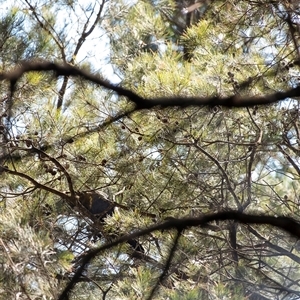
(208, 175)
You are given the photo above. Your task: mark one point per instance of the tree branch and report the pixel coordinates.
(287, 224)
(145, 103)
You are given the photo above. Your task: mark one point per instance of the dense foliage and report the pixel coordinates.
(63, 139)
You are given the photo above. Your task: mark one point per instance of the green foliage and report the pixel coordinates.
(173, 162)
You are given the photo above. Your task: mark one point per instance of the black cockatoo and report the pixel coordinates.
(100, 206)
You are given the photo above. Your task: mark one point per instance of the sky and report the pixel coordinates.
(95, 49)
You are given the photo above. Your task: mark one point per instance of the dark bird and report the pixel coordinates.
(157, 46)
(100, 206)
(97, 204)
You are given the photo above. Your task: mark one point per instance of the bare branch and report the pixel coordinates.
(146, 103)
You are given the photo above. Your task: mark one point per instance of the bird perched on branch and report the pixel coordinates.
(153, 46)
(97, 204)
(101, 207)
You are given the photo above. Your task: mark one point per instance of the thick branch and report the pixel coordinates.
(285, 223)
(146, 103)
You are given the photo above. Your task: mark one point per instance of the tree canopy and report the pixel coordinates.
(150, 149)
